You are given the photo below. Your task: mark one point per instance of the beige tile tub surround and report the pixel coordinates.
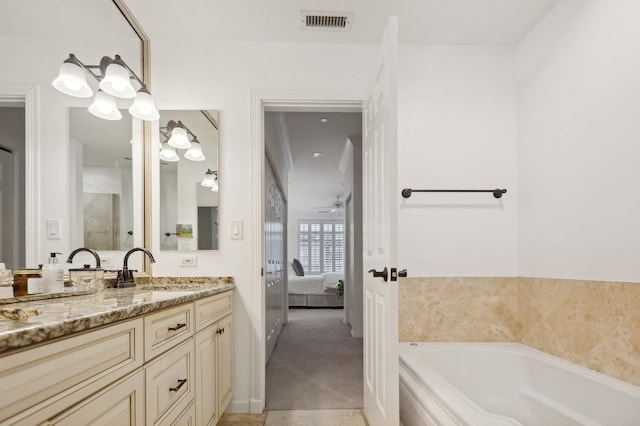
(592, 323)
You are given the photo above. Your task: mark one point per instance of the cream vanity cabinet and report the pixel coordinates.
(169, 367)
(213, 342)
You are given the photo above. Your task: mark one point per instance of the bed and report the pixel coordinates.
(314, 291)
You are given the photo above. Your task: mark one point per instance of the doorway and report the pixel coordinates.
(12, 185)
(317, 361)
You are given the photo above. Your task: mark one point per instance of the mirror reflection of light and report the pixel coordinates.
(168, 153)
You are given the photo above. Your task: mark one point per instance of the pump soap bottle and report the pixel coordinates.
(53, 275)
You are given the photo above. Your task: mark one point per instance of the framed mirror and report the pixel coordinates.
(38, 39)
(188, 183)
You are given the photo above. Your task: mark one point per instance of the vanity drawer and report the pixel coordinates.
(170, 384)
(43, 380)
(213, 308)
(167, 328)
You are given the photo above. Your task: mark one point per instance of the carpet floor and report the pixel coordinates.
(316, 364)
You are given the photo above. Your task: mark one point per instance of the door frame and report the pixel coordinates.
(275, 100)
(29, 95)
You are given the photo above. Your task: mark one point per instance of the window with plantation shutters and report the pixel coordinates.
(321, 246)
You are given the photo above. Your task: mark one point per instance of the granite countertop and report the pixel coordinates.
(45, 319)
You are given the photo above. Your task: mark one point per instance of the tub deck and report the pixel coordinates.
(507, 384)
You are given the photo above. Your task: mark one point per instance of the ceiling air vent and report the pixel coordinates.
(332, 21)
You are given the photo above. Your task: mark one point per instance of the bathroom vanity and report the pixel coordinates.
(154, 355)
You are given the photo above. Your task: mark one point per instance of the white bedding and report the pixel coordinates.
(325, 283)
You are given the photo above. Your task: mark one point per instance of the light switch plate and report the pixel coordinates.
(188, 260)
(53, 229)
(236, 229)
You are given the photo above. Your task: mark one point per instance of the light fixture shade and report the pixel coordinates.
(209, 180)
(143, 107)
(168, 153)
(214, 188)
(117, 81)
(179, 138)
(195, 152)
(104, 106)
(72, 80)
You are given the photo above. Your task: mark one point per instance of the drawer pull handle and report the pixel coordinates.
(181, 383)
(220, 330)
(178, 327)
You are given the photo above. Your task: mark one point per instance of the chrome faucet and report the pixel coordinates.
(125, 276)
(93, 252)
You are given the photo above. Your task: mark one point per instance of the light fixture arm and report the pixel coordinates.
(104, 63)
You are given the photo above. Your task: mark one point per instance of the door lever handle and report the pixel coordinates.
(384, 274)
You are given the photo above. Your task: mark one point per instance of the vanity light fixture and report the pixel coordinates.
(104, 106)
(179, 136)
(195, 152)
(168, 153)
(210, 180)
(114, 80)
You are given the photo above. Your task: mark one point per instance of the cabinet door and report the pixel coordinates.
(225, 362)
(188, 417)
(119, 405)
(206, 361)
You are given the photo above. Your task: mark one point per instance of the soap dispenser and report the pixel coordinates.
(53, 275)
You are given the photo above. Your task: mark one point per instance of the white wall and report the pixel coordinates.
(579, 142)
(457, 130)
(220, 76)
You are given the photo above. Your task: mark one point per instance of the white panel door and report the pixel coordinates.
(380, 237)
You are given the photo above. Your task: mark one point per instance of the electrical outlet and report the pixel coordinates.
(189, 260)
(106, 261)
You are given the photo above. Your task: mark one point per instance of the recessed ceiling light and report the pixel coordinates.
(324, 120)
(317, 154)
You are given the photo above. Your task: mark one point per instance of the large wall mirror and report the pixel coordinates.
(73, 155)
(188, 187)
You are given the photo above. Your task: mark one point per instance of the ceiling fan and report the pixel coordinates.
(335, 206)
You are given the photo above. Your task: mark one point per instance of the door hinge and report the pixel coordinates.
(262, 272)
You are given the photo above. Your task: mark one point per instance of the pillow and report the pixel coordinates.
(297, 267)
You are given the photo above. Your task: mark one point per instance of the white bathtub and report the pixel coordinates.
(497, 384)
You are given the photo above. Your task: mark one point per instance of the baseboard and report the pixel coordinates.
(256, 406)
(238, 406)
(356, 334)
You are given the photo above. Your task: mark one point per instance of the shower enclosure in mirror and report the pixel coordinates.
(188, 187)
(38, 38)
(103, 189)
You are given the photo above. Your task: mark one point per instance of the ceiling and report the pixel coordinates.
(420, 21)
(64, 18)
(314, 183)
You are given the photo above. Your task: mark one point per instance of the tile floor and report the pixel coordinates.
(296, 418)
